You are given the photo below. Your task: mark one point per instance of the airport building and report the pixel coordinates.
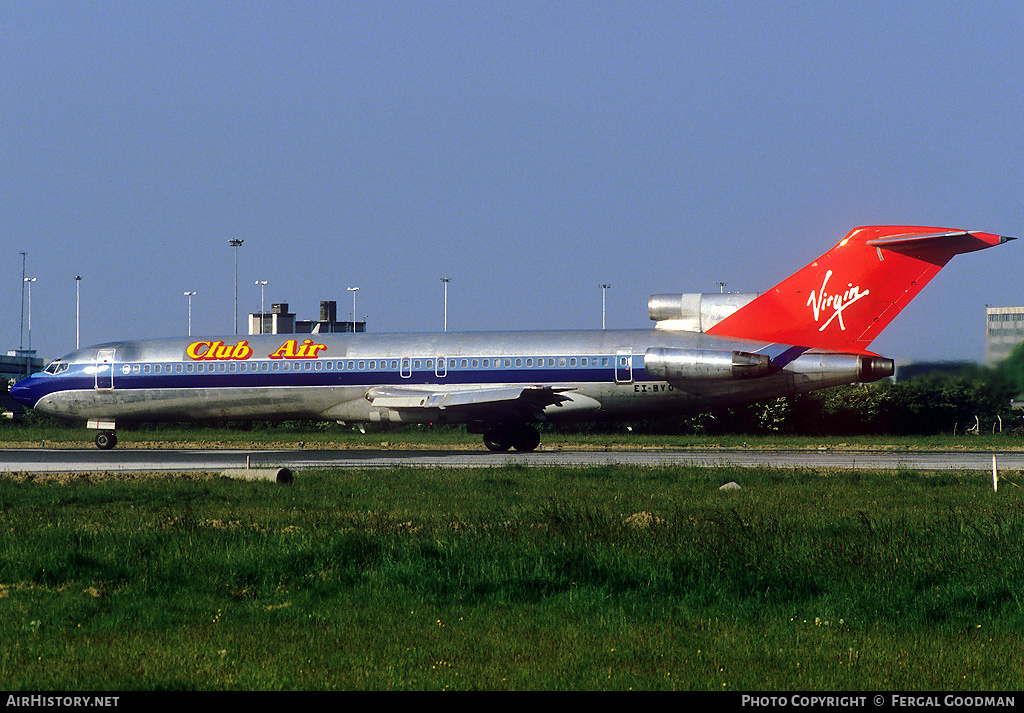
(280, 321)
(1004, 330)
(15, 366)
(19, 363)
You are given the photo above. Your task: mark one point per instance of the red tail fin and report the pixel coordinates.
(845, 298)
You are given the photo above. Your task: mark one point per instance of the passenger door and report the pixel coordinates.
(105, 369)
(624, 366)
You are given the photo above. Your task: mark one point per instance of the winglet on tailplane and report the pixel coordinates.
(846, 297)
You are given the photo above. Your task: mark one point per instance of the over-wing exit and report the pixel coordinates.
(810, 331)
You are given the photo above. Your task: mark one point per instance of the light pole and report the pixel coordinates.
(28, 282)
(353, 290)
(21, 338)
(262, 284)
(446, 280)
(189, 295)
(604, 289)
(235, 243)
(721, 287)
(78, 311)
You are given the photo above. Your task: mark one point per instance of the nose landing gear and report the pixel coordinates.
(105, 440)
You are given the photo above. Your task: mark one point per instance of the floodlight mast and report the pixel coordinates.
(190, 295)
(235, 243)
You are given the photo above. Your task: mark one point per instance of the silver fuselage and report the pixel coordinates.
(600, 374)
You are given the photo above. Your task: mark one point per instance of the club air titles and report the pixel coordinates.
(219, 351)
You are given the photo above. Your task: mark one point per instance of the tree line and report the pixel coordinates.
(925, 399)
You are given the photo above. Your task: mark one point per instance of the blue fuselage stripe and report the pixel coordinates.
(76, 378)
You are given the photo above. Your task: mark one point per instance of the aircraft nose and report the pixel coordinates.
(23, 393)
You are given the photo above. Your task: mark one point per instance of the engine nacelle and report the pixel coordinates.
(874, 368)
(696, 312)
(681, 364)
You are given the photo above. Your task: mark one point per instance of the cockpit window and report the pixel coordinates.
(56, 367)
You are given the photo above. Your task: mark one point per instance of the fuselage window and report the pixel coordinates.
(319, 366)
(232, 367)
(529, 362)
(351, 365)
(551, 361)
(583, 361)
(561, 362)
(190, 368)
(476, 363)
(487, 363)
(362, 366)
(136, 369)
(519, 363)
(572, 361)
(177, 368)
(430, 363)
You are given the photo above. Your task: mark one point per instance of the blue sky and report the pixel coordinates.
(528, 151)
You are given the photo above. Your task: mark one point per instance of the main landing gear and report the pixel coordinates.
(522, 438)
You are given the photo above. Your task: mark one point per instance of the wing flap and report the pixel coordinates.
(437, 397)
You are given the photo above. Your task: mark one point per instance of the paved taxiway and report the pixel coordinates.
(45, 460)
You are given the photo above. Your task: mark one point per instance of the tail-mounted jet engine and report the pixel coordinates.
(695, 312)
(681, 364)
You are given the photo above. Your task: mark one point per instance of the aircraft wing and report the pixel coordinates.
(523, 400)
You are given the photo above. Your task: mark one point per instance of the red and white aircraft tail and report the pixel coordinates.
(846, 297)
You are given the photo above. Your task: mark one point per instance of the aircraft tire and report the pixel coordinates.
(497, 441)
(105, 440)
(526, 439)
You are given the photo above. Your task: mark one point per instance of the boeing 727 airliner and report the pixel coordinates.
(810, 331)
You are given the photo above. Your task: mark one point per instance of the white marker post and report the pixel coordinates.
(995, 475)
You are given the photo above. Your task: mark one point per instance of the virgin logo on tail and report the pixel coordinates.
(821, 301)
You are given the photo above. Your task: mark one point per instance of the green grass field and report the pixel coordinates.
(514, 578)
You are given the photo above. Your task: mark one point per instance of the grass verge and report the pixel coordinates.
(514, 578)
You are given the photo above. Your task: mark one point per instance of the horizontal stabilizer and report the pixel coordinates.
(956, 242)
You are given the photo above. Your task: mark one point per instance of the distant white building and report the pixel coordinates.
(1004, 329)
(280, 321)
